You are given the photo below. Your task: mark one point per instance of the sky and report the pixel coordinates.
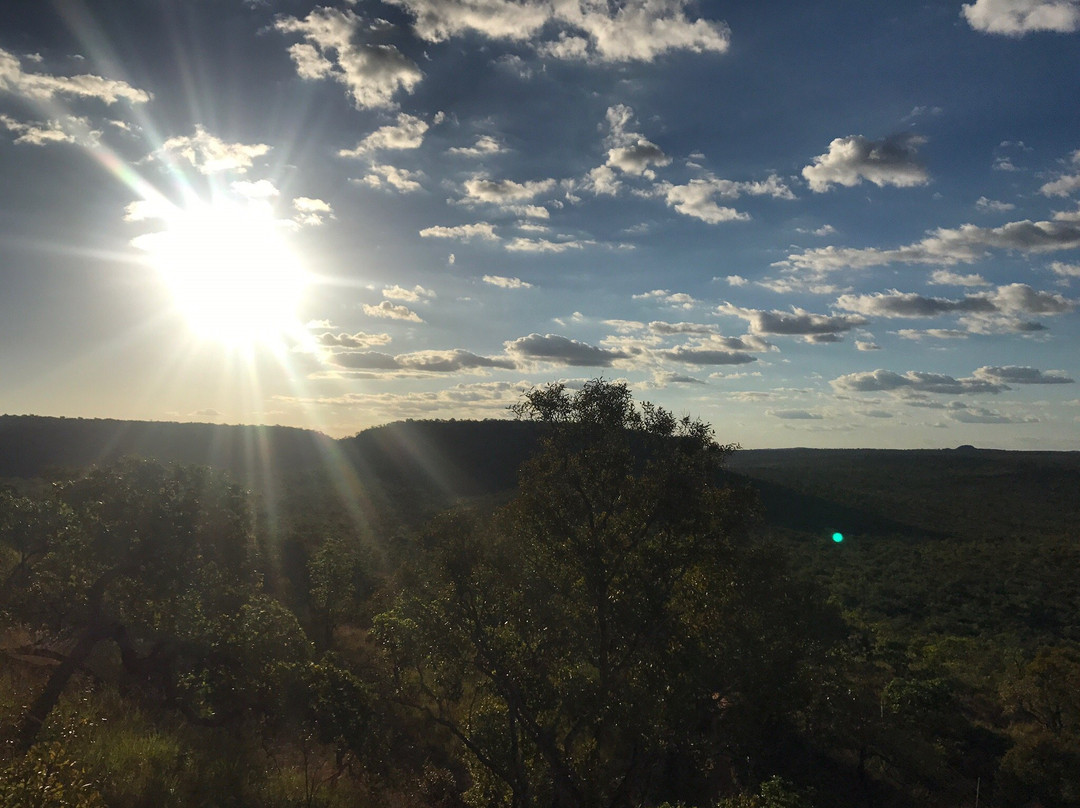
(836, 224)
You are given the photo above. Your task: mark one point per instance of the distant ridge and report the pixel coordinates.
(408, 470)
(32, 445)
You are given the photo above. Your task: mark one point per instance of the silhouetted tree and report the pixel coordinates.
(611, 636)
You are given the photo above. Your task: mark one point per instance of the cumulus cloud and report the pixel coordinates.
(678, 299)
(700, 355)
(636, 30)
(866, 345)
(852, 159)
(1013, 374)
(964, 244)
(502, 192)
(464, 232)
(482, 146)
(543, 245)
(413, 295)
(360, 339)
(913, 381)
(797, 322)
(450, 361)
(372, 73)
(387, 176)
(210, 154)
(562, 351)
(1065, 184)
(1063, 270)
(45, 87)
(1000, 311)
(698, 197)
(65, 129)
(506, 283)
(945, 277)
(406, 133)
(911, 304)
(992, 205)
(388, 311)
(1019, 17)
(311, 212)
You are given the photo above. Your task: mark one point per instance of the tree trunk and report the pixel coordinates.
(34, 719)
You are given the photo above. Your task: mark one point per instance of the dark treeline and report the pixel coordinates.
(594, 605)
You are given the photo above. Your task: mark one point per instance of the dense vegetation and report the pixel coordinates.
(632, 625)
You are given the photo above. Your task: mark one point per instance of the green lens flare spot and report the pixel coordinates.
(837, 537)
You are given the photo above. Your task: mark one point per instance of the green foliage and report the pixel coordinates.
(775, 792)
(47, 777)
(611, 619)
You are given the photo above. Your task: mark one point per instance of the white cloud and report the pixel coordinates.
(66, 129)
(703, 355)
(462, 232)
(1013, 374)
(992, 205)
(210, 154)
(944, 277)
(44, 87)
(1019, 17)
(852, 159)
(387, 176)
(311, 212)
(1064, 270)
(635, 158)
(1065, 184)
(360, 339)
(913, 381)
(484, 145)
(824, 230)
(449, 361)
(798, 322)
(388, 311)
(698, 197)
(413, 295)
(635, 30)
(506, 283)
(407, 133)
(502, 192)
(372, 73)
(994, 312)
(678, 299)
(965, 244)
(562, 351)
(863, 345)
(543, 245)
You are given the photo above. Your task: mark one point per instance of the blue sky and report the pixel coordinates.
(836, 224)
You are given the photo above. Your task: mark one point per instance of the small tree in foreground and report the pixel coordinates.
(611, 637)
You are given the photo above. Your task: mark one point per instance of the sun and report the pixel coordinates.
(231, 271)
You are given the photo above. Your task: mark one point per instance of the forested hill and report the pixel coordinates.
(963, 492)
(32, 445)
(958, 492)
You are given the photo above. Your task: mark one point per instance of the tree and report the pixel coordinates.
(158, 561)
(612, 635)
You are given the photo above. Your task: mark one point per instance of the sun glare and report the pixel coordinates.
(231, 272)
